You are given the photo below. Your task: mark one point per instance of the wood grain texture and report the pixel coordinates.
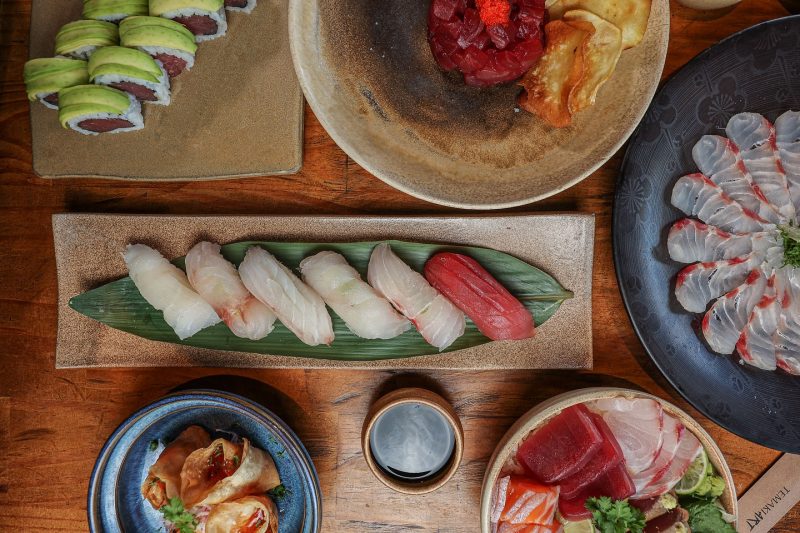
(53, 423)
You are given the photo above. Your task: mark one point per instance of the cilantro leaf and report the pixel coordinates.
(182, 520)
(279, 492)
(705, 516)
(618, 516)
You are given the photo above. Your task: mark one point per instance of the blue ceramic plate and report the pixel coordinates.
(755, 70)
(115, 501)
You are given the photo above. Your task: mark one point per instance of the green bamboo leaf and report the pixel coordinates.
(118, 304)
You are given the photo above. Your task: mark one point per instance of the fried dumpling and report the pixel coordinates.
(251, 514)
(164, 478)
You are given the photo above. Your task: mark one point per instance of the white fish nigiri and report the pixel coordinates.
(298, 307)
(437, 319)
(366, 313)
(217, 281)
(166, 288)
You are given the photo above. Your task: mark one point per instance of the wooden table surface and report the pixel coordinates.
(53, 422)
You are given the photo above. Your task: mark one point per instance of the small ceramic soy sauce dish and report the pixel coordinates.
(412, 440)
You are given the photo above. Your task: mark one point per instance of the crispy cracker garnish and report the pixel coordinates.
(549, 84)
(630, 16)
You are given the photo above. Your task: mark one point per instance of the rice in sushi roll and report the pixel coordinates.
(80, 38)
(132, 71)
(45, 76)
(165, 40)
(204, 18)
(114, 10)
(94, 109)
(243, 6)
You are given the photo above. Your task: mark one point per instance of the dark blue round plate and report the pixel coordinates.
(755, 70)
(115, 502)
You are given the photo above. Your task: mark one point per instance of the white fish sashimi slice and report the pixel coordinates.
(298, 307)
(698, 196)
(217, 281)
(167, 288)
(366, 314)
(437, 319)
(719, 159)
(755, 137)
(756, 345)
(688, 448)
(691, 241)
(787, 336)
(700, 283)
(672, 433)
(787, 137)
(638, 427)
(723, 323)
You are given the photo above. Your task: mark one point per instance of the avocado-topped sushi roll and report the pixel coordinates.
(204, 18)
(165, 40)
(93, 109)
(244, 6)
(132, 71)
(114, 10)
(45, 76)
(80, 38)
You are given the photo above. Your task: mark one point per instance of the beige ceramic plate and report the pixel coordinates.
(541, 413)
(238, 112)
(88, 255)
(369, 76)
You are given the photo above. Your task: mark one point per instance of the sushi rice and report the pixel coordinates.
(216, 16)
(133, 115)
(161, 89)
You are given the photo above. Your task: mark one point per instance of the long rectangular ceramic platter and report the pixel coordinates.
(238, 112)
(88, 255)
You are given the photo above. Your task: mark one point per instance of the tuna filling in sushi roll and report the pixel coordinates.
(94, 109)
(204, 18)
(163, 39)
(132, 71)
(244, 6)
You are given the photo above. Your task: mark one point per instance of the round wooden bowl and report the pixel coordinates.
(368, 73)
(433, 400)
(544, 411)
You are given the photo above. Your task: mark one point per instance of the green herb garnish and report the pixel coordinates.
(279, 492)
(705, 516)
(182, 520)
(153, 445)
(791, 245)
(615, 516)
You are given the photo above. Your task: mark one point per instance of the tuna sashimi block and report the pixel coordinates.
(562, 446)
(607, 457)
(616, 484)
(524, 501)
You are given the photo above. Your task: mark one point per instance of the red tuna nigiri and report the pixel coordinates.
(523, 501)
(607, 457)
(562, 446)
(496, 312)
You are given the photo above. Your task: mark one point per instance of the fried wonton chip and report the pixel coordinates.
(600, 58)
(548, 85)
(630, 16)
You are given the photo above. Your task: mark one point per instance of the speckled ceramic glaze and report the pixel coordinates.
(756, 70)
(115, 502)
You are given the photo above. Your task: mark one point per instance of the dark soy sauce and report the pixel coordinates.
(412, 441)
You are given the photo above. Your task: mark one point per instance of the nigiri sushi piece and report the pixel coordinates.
(723, 323)
(495, 311)
(367, 314)
(700, 283)
(439, 321)
(166, 288)
(690, 241)
(298, 307)
(218, 282)
(787, 140)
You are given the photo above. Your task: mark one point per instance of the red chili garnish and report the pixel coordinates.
(254, 523)
(494, 12)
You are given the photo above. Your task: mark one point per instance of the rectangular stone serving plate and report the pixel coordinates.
(88, 254)
(237, 113)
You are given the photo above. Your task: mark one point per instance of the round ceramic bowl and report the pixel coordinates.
(544, 411)
(115, 503)
(433, 400)
(367, 72)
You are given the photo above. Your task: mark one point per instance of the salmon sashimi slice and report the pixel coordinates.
(505, 527)
(523, 501)
(607, 457)
(561, 447)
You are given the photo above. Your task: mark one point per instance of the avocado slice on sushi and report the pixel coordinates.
(132, 71)
(80, 38)
(163, 39)
(114, 10)
(45, 76)
(94, 109)
(204, 18)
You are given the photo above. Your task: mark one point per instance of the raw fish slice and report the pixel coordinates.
(564, 445)
(724, 322)
(787, 137)
(528, 502)
(672, 433)
(719, 159)
(218, 282)
(690, 241)
(366, 314)
(505, 527)
(787, 337)
(436, 318)
(756, 344)
(637, 425)
(700, 283)
(696, 195)
(755, 137)
(166, 288)
(607, 457)
(688, 449)
(298, 307)
(616, 484)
